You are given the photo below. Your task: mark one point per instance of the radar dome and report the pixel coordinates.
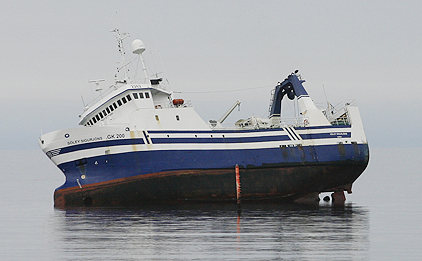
(138, 46)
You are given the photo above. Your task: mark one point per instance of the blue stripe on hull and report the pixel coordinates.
(100, 144)
(212, 139)
(116, 166)
(220, 140)
(213, 131)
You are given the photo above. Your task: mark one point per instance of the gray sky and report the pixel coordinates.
(364, 50)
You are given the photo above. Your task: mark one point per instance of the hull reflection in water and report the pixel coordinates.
(213, 232)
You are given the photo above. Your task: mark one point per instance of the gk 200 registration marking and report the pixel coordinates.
(116, 136)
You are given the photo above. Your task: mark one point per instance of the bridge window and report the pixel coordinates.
(128, 97)
(141, 95)
(135, 95)
(124, 100)
(147, 95)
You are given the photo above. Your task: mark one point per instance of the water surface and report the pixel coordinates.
(380, 221)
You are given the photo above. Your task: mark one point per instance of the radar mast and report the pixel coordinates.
(120, 37)
(138, 47)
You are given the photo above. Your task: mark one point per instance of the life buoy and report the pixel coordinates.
(306, 122)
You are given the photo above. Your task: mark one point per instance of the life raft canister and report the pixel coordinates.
(178, 102)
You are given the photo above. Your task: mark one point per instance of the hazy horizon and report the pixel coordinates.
(364, 51)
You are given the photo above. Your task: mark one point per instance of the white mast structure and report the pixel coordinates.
(138, 47)
(120, 38)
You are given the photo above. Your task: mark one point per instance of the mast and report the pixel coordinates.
(120, 37)
(138, 47)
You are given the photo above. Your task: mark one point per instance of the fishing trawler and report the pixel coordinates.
(136, 145)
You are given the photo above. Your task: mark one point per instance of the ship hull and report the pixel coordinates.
(278, 174)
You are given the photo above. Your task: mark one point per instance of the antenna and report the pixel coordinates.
(159, 54)
(120, 37)
(83, 102)
(138, 47)
(325, 94)
(97, 82)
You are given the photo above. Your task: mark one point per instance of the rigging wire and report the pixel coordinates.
(237, 90)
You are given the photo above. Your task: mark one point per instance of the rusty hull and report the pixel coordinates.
(272, 183)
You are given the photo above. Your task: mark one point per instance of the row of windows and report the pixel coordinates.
(114, 106)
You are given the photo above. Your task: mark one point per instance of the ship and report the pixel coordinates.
(136, 145)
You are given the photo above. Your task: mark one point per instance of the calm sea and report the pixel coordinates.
(382, 220)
